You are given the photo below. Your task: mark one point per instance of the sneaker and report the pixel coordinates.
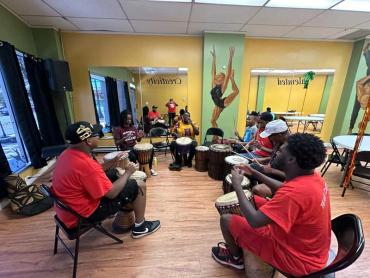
(189, 164)
(153, 173)
(147, 228)
(222, 255)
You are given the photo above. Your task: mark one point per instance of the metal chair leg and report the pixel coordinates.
(56, 239)
(104, 231)
(75, 258)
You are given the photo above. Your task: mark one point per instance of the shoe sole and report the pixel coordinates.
(149, 233)
(227, 264)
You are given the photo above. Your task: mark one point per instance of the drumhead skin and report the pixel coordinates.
(112, 155)
(235, 160)
(138, 175)
(220, 148)
(246, 182)
(143, 147)
(183, 141)
(202, 148)
(231, 198)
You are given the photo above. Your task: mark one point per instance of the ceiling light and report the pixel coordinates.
(303, 4)
(353, 5)
(187, 1)
(234, 2)
(183, 69)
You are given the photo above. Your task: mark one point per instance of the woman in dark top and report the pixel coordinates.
(219, 86)
(127, 135)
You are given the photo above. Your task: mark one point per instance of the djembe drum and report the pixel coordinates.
(216, 164)
(125, 220)
(143, 154)
(122, 162)
(229, 204)
(201, 158)
(227, 186)
(231, 161)
(183, 145)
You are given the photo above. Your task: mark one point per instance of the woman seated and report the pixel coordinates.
(127, 135)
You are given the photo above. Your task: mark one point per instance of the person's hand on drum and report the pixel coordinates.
(245, 168)
(266, 169)
(237, 133)
(130, 168)
(141, 134)
(237, 176)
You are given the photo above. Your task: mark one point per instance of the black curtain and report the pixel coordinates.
(4, 171)
(127, 96)
(42, 99)
(93, 97)
(21, 107)
(112, 98)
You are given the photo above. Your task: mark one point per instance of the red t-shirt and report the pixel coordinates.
(301, 230)
(171, 107)
(128, 134)
(80, 182)
(264, 142)
(152, 115)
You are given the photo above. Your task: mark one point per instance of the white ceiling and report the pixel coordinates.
(271, 19)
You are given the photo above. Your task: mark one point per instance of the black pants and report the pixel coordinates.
(171, 117)
(133, 157)
(108, 207)
(178, 156)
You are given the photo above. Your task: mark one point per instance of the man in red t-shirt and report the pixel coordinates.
(80, 182)
(154, 115)
(171, 105)
(292, 231)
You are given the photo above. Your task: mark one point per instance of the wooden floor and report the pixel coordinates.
(184, 202)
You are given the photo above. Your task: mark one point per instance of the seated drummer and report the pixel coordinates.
(292, 231)
(184, 128)
(80, 182)
(249, 133)
(263, 145)
(127, 135)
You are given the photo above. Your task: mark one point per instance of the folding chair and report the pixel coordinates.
(361, 171)
(214, 131)
(83, 226)
(334, 157)
(163, 134)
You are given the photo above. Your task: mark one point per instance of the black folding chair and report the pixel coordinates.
(213, 131)
(83, 225)
(162, 134)
(351, 242)
(361, 168)
(335, 157)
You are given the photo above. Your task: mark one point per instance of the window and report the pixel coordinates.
(10, 138)
(27, 84)
(100, 97)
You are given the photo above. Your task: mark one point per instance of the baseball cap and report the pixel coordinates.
(80, 131)
(266, 116)
(154, 106)
(274, 127)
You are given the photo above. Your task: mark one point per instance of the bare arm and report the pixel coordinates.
(119, 184)
(229, 70)
(213, 53)
(254, 217)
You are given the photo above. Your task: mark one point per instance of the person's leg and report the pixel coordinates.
(175, 153)
(229, 99)
(355, 110)
(151, 159)
(235, 250)
(132, 156)
(139, 204)
(215, 115)
(262, 190)
(192, 151)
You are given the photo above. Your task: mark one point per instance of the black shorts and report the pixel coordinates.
(108, 207)
(219, 102)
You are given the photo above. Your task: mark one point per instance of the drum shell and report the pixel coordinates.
(125, 219)
(143, 156)
(233, 206)
(227, 186)
(217, 163)
(201, 160)
(183, 149)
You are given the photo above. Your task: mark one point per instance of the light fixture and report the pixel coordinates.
(353, 5)
(285, 72)
(183, 69)
(302, 4)
(186, 1)
(234, 2)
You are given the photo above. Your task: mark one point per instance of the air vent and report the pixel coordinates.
(359, 34)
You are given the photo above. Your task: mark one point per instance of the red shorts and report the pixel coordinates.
(259, 242)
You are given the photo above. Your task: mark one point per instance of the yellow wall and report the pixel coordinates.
(277, 96)
(99, 50)
(159, 94)
(252, 95)
(283, 54)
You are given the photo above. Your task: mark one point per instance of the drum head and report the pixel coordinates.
(143, 147)
(183, 141)
(231, 198)
(245, 183)
(112, 155)
(138, 175)
(220, 148)
(202, 148)
(235, 160)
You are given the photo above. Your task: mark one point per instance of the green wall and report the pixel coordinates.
(48, 43)
(114, 72)
(260, 93)
(326, 94)
(228, 118)
(14, 31)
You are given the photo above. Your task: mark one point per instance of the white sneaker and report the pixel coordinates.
(154, 173)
